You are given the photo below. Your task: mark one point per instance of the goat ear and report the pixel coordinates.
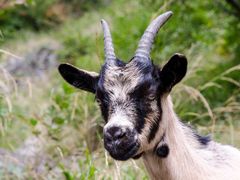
(79, 78)
(173, 72)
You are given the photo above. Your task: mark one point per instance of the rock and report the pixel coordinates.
(34, 63)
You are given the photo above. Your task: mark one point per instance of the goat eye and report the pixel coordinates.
(98, 101)
(151, 97)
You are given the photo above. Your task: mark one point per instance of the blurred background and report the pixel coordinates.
(49, 130)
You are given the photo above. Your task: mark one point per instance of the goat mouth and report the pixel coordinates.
(137, 156)
(123, 154)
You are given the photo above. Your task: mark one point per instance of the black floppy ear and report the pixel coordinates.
(173, 72)
(79, 78)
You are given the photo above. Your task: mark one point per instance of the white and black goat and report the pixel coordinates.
(140, 120)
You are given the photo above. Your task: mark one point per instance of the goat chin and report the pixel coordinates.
(188, 159)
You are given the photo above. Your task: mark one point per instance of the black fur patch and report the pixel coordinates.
(173, 72)
(103, 100)
(141, 90)
(104, 108)
(153, 129)
(139, 96)
(203, 140)
(120, 63)
(78, 78)
(162, 151)
(140, 119)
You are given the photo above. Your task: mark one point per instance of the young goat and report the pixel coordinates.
(140, 120)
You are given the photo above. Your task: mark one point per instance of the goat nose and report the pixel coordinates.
(115, 133)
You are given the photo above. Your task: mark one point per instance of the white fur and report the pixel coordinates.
(187, 159)
(118, 119)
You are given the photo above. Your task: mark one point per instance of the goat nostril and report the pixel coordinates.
(115, 133)
(120, 134)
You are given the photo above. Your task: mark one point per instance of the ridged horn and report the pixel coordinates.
(146, 41)
(108, 45)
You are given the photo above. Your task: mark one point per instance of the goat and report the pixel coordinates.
(140, 121)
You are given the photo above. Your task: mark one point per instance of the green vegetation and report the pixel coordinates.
(68, 121)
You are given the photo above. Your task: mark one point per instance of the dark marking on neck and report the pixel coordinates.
(203, 140)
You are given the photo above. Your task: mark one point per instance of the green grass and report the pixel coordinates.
(69, 120)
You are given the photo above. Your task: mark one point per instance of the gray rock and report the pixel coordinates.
(34, 63)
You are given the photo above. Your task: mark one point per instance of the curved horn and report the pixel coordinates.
(108, 45)
(145, 44)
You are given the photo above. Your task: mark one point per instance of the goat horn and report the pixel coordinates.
(145, 44)
(108, 45)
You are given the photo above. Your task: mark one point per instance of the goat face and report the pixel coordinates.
(129, 93)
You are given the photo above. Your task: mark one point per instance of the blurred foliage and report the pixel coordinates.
(39, 15)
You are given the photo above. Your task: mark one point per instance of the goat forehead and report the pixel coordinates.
(121, 80)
